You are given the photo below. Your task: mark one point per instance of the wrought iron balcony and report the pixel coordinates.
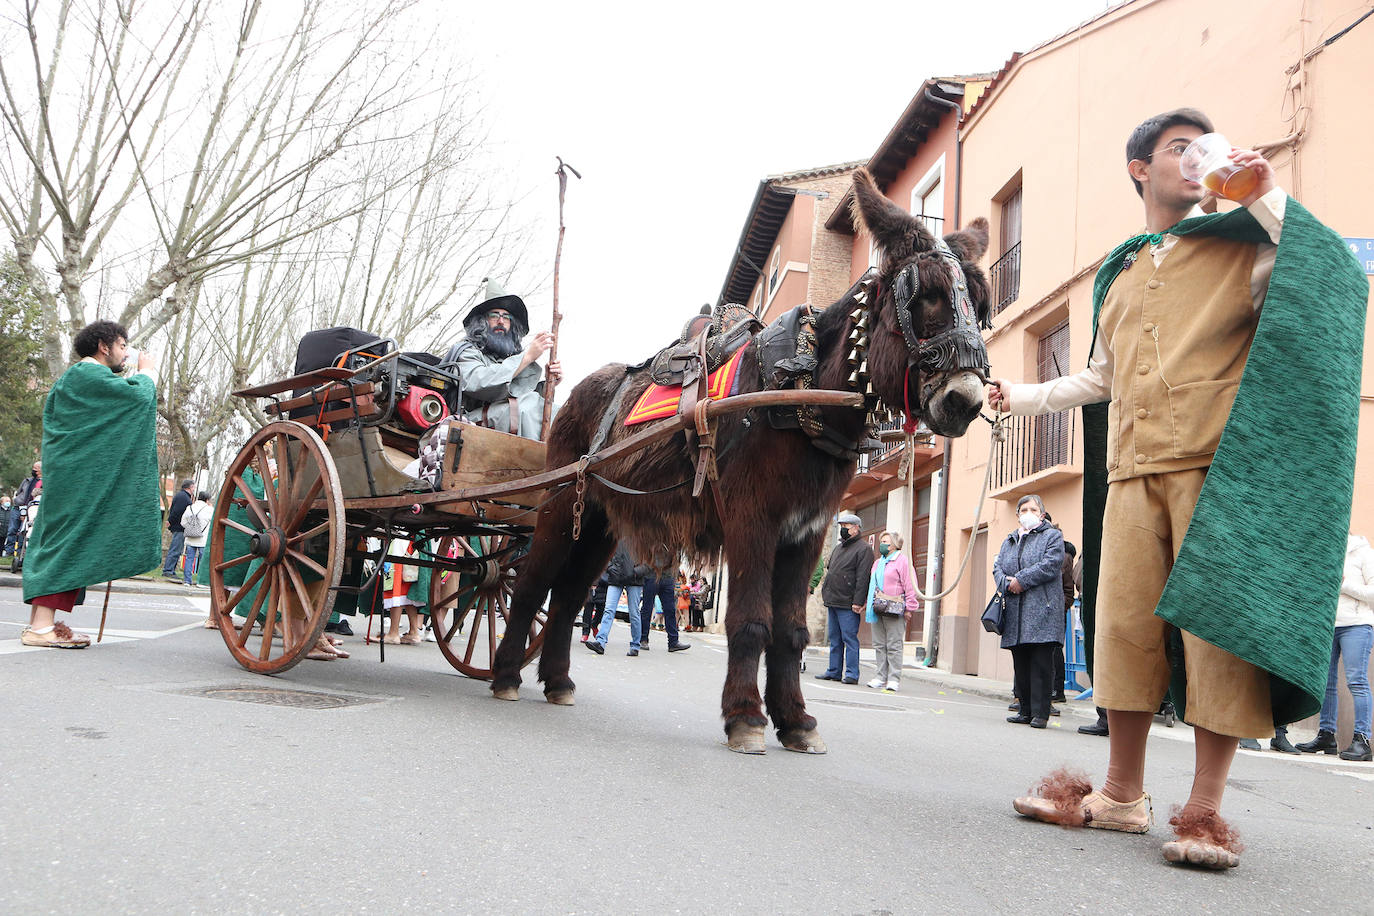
(1006, 279)
(1033, 444)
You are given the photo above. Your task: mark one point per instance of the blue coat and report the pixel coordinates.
(1036, 560)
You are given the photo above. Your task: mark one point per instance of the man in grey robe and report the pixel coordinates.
(503, 385)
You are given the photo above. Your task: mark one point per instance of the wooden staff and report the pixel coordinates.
(551, 383)
(103, 611)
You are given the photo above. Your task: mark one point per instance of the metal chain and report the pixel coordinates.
(579, 503)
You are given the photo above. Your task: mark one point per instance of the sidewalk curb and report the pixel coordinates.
(121, 586)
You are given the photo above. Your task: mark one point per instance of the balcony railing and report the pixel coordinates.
(936, 224)
(890, 447)
(1033, 444)
(1006, 279)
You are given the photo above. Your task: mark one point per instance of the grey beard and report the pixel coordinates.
(498, 343)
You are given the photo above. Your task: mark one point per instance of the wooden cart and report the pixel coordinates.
(332, 471)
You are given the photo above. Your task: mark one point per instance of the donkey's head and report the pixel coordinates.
(925, 354)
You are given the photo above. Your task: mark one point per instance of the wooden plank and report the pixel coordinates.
(304, 380)
(335, 393)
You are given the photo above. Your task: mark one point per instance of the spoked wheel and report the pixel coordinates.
(470, 611)
(279, 530)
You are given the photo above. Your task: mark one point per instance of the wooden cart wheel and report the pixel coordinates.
(469, 612)
(281, 512)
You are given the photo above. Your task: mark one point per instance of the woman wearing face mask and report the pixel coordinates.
(1028, 573)
(891, 600)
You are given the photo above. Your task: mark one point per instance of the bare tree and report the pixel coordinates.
(236, 178)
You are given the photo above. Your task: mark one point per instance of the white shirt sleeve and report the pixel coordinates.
(1091, 385)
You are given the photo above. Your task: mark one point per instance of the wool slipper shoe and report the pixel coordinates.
(1065, 798)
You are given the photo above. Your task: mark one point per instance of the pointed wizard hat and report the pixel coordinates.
(498, 298)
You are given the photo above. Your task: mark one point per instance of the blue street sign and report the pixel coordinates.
(1363, 250)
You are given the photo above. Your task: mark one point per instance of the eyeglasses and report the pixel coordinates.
(1175, 148)
(499, 316)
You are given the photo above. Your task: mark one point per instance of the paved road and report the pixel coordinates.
(121, 790)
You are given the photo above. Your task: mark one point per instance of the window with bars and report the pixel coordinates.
(1006, 272)
(1034, 444)
(1052, 431)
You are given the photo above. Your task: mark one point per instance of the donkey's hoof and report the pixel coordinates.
(560, 697)
(803, 742)
(506, 693)
(746, 739)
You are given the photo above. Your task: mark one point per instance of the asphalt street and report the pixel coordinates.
(134, 778)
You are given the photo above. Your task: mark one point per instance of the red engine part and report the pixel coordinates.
(421, 408)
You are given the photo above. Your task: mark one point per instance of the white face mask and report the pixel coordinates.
(1029, 519)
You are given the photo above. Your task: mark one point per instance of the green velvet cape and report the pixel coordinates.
(100, 517)
(1259, 570)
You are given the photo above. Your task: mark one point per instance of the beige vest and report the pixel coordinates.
(1179, 336)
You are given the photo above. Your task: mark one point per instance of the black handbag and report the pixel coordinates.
(992, 617)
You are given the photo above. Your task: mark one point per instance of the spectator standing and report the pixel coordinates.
(196, 524)
(891, 600)
(1028, 572)
(180, 503)
(32, 485)
(594, 607)
(663, 587)
(100, 517)
(698, 592)
(1352, 643)
(622, 577)
(6, 511)
(407, 589)
(845, 592)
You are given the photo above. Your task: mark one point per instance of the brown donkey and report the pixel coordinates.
(778, 489)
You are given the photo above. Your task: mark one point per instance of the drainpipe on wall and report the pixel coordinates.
(937, 551)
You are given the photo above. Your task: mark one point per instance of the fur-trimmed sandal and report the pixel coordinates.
(1204, 839)
(1065, 797)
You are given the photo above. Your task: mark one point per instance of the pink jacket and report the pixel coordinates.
(898, 579)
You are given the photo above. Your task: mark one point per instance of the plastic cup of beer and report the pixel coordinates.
(1207, 160)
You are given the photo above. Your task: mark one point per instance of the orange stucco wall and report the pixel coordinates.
(1061, 117)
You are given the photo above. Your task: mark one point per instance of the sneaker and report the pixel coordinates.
(892, 687)
(644, 647)
(596, 647)
(632, 653)
(59, 637)
(850, 680)
(877, 683)
(680, 647)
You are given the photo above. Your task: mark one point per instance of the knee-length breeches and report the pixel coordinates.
(1142, 529)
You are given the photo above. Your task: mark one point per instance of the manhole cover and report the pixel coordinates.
(858, 705)
(276, 696)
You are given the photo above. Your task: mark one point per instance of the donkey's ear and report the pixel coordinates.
(897, 232)
(971, 242)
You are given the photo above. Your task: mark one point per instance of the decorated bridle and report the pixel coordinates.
(960, 348)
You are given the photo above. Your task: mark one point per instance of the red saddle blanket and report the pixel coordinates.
(660, 401)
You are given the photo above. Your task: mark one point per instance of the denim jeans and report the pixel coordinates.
(608, 618)
(665, 591)
(12, 521)
(169, 565)
(1351, 645)
(843, 630)
(191, 563)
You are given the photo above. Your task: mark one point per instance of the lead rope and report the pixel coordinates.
(998, 435)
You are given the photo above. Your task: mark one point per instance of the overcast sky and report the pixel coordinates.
(674, 112)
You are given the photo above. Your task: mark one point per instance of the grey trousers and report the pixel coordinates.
(888, 633)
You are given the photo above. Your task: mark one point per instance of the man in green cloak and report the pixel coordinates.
(101, 518)
(1228, 347)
